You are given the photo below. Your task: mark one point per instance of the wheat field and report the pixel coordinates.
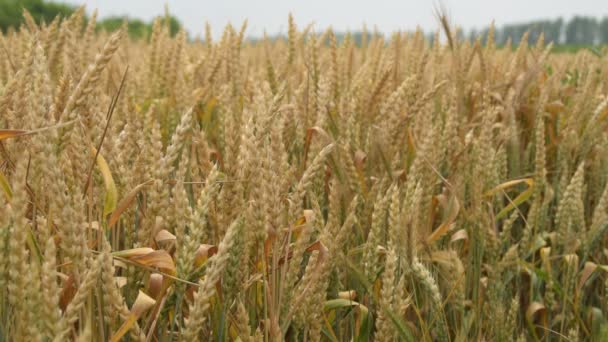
(299, 189)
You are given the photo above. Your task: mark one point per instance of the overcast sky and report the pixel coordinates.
(342, 15)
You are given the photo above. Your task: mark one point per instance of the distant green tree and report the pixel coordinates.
(137, 29)
(515, 32)
(11, 15)
(581, 31)
(603, 31)
(554, 31)
(174, 24)
(572, 29)
(358, 38)
(550, 28)
(11, 11)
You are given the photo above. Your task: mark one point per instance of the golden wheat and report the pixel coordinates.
(307, 188)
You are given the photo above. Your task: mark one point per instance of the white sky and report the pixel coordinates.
(342, 15)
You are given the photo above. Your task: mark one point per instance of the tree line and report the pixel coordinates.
(579, 30)
(11, 17)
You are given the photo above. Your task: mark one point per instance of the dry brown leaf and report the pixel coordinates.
(108, 180)
(537, 312)
(134, 252)
(120, 281)
(11, 133)
(323, 251)
(460, 235)
(555, 107)
(164, 235)
(125, 203)
(155, 285)
(309, 134)
(143, 303)
(67, 292)
(360, 159)
(453, 207)
(588, 270)
(349, 295)
(571, 259)
(203, 253)
(159, 259)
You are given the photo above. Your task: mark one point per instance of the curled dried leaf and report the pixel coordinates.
(360, 159)
(164, 236)
(537, 312)
(555, 107)
(135, 252)
(588, 270)
(452, 208)
(125, 203)
(155, 285)
(203, 253)
(460, 235)
(349, 295)
(143, 303)
(159, 259)
(120, 281)
(111, 192)
(571, 260)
